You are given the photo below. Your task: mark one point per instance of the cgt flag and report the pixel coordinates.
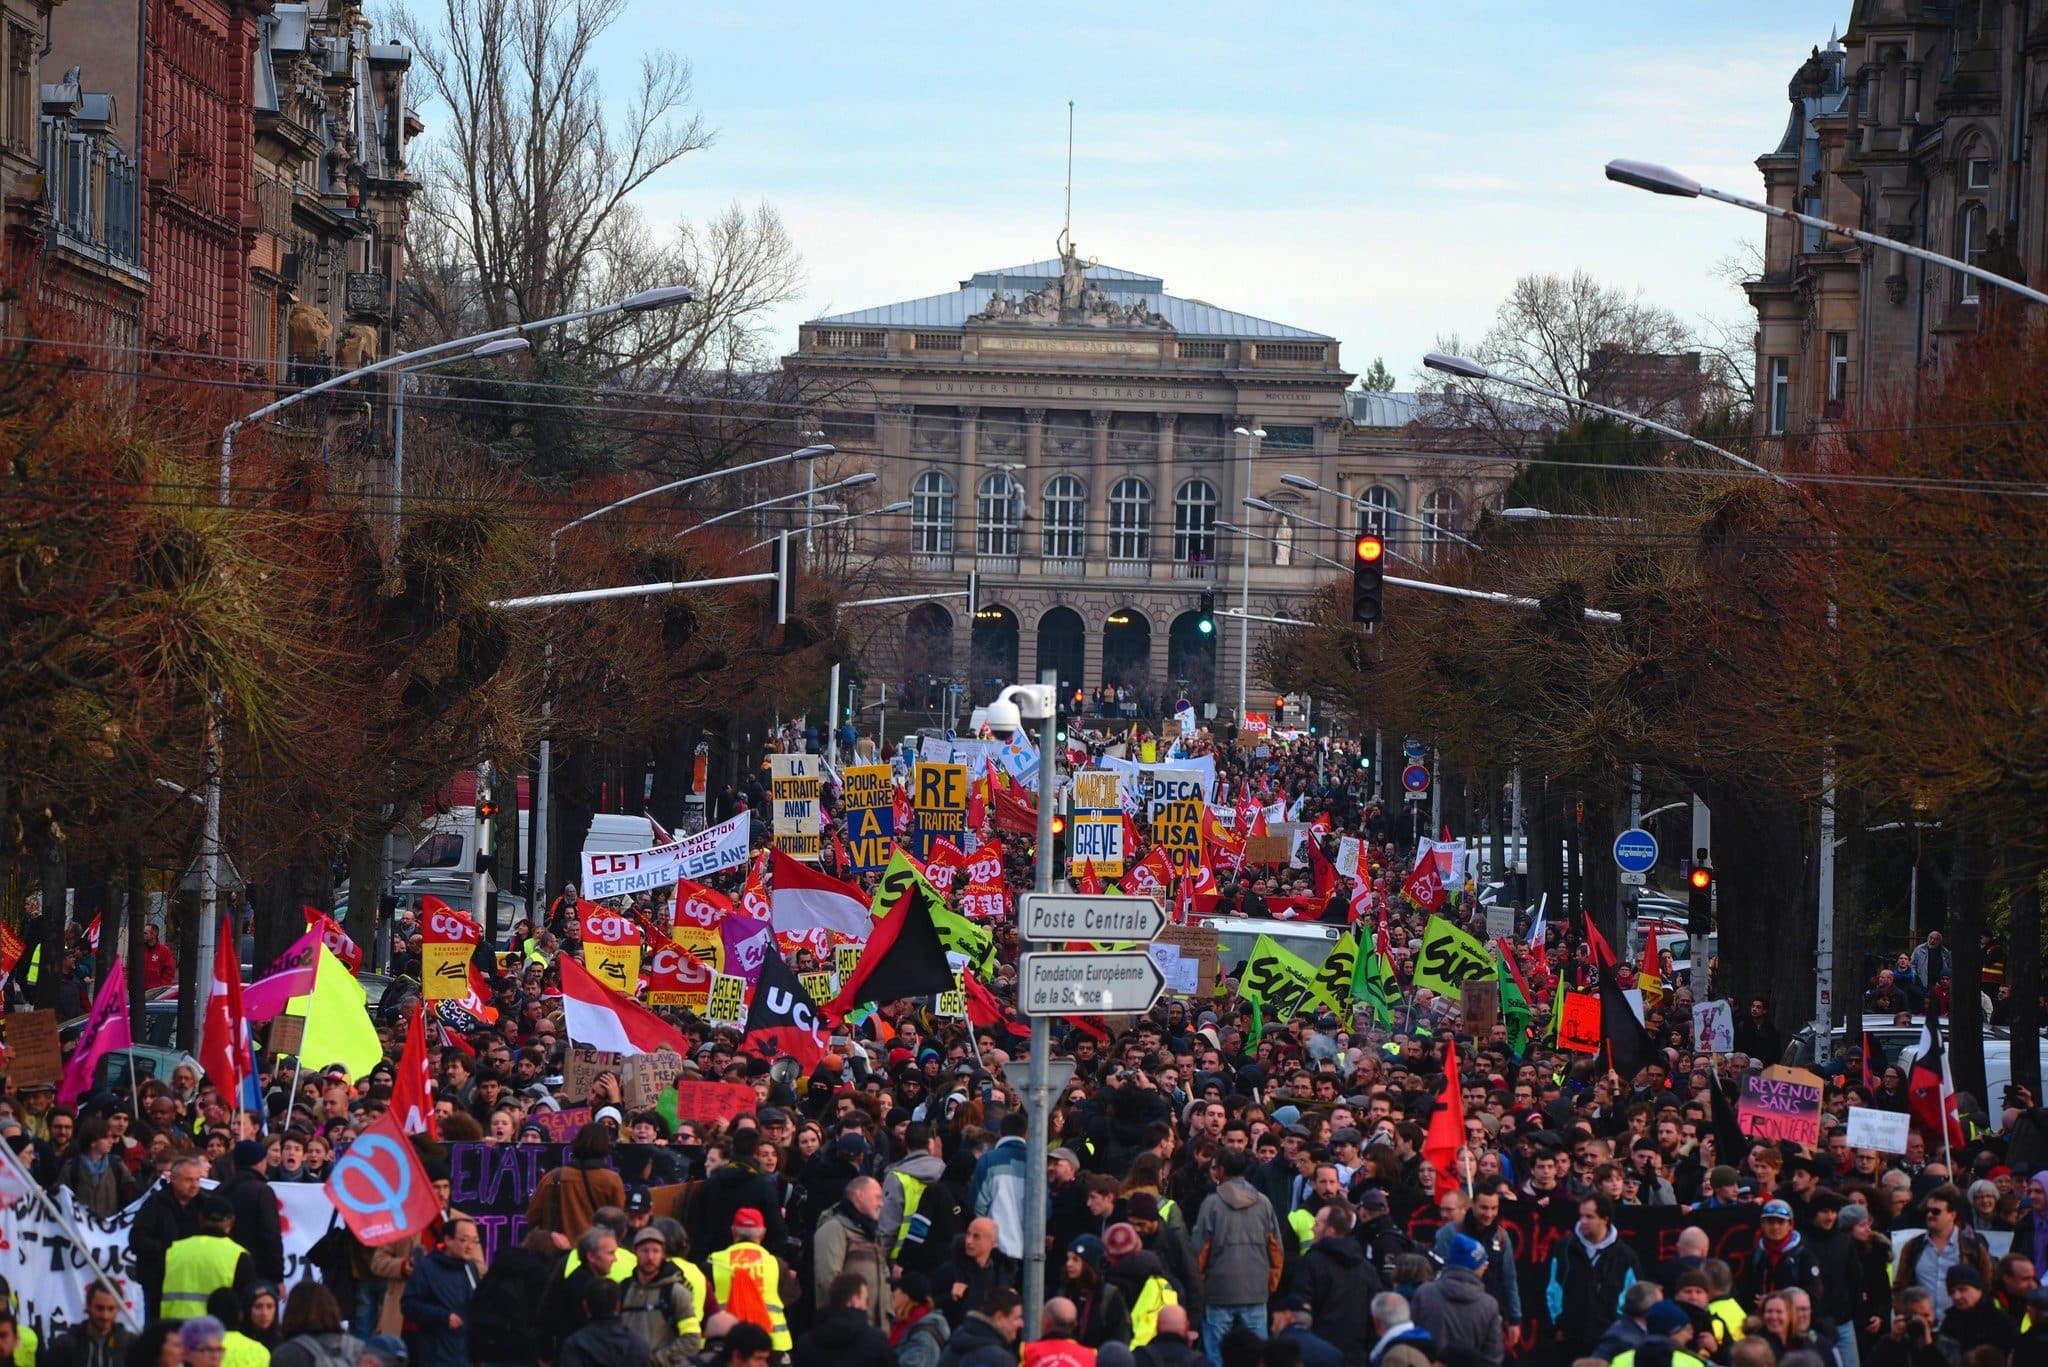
(784, 1021)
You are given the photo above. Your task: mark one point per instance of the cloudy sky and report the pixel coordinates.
(1380, 172)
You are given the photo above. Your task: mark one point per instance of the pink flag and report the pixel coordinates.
(106, 1032)
(291, 976)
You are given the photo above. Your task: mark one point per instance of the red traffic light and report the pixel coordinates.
(486, 810)
(1702, 878)
(1059, 824)
(1370, 548)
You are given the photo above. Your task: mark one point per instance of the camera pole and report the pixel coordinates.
(1037, 1086)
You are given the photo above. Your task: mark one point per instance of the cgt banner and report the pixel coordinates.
(676, 977)
(49, 1271)
(448, 940)
(611, 947)
(709, 851)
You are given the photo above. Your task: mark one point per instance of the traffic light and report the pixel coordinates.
(1368, 574)
(1699, 899)
(1205, 615)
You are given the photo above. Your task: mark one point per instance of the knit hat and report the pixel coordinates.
(1723, 1175)
(1853, 1214)
(1121, 1240)
(1466, 1252)
(1666, 1317)
(1089, 1250)
(1141, 1205)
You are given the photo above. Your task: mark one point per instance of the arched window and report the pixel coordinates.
(1194, 522)
(1439, 516)
(999, 520)
(1971, 232)
(1130, 519)
(1375, 512)
(1066, 518)
(931, 514)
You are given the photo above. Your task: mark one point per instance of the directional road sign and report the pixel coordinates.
(1062, 984)
(1415, 778)
(1635, 850)
(1080, 916)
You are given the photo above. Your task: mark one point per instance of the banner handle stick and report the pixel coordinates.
(21, 1174)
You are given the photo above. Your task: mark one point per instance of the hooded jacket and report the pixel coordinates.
(1789, 1267)
(844, 1338)
(925, 1169)
(441, 1287)
(1458, 1311)
(997, 1191)
(1237, 1246)
(976, 1342)
(604, 1343)
(1582, 1294)
(1340, 1285)
(847, 1241)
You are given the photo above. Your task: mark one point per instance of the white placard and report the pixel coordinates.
(1183, 974)
(1347, 856)
(1713, 1029)
(1884, 1131)
(1500, 923)
(709, 851)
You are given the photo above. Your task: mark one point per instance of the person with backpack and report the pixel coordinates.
(657, 1303)
(504, 1308)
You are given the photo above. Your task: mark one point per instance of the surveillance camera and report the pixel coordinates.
(1003, 718)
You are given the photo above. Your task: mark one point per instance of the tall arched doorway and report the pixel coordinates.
(928, 651)
(1191, 658)
(994, 650)
(1127, 648)
(1062, 646)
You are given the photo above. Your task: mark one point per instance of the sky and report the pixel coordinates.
(1378, 172)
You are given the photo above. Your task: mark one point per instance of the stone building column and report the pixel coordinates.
(1096, 508)
(1164, 481)
(965, 470)
(1034, 469)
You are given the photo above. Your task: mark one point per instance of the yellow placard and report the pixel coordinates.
(703, 941)
(616, 966)
(444, 972)
(846, 960)
(728, 1005)
(819, 986)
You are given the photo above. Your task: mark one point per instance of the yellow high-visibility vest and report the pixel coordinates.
(759, 1264)
(1155, 1295)
(195, 1267)
(913, 1194)
(243, 1351)
(693, 1277)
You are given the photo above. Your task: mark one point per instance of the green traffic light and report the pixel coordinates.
(1207, 626)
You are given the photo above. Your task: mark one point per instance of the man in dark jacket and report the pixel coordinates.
(257, 1226)
(987, 1337)
(1456, 1308)
(1339, 1283)
(976, 1272)
(845, 1335)
(604, 1340)
(737, 1185)
(169, 1214)
(437, 1298)
(1781, 1259)
(1589, 1272)
(1172, 1346)
(562, 1311)
(1293, 1322)
(102, 1341)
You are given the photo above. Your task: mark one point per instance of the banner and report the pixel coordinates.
(938, 794)
(1277, 979)
(705, 944)
(1782, 1105)
(1177, 832)
(728, 1001)
(697, 906)
(975, 943)
(1713, 1027)
(1578, 1022)
(793, 795)
(1097, 840)
(675, 977)
(611, 947)
(448, 939)
(709, 851)
(869, 797)
(1449, 957)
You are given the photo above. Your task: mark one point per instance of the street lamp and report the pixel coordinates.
(1236, 530)
(810, 477)
(1263, 506)
(1359, 502)
(504, 346)
(1545, 515)
(1663, 180)
(645, 301)
(900, 506)
(855, 481)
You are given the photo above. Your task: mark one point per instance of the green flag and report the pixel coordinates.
(1372, 982)
(1332, 983)
(1450, 957)
(1513, 1005)
(1275, 979)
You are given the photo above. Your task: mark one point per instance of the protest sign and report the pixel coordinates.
(611, 947)
(708, 1102)
(35, 1058)
(1782, 1105)
(1884, 1131)
(819, 987)
(1713, 1027)
(1198, 945)
(647, 1076)
(1450, 957)
(1097, 790)
(1578, 1023)
(582, 1068)
(1267, 849)
(846, 960)
(728, 1003)
(447, 940)
(287, 1033)
(938, 795)
(709, 851)
(561, 1126)
(675, 977)
(1161, 786)
(1098, 843)
(1183, 974)
(1500, 923)
(793, 794)
(1347, 856)
(868, 793)
(952, 1003)
(1177, 833)
(1479, 1004)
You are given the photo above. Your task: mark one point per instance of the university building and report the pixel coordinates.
(1086, 441)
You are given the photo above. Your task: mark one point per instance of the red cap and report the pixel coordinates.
(746, 1217)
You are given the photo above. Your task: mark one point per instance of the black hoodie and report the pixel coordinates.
(1340, 1285)
(844, 1338)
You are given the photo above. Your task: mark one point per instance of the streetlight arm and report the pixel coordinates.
(849, 481)
(901, 506)
(804, 453)
(1361, 504)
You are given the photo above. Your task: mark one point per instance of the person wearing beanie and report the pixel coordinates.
(1140, 1278)
(1723, 1188)
(1101, 1312)
(1169, 1241)
(918, 1333)
(1972, 1320)
(1668, 1333)
(257, 1226)
(1456, 1309)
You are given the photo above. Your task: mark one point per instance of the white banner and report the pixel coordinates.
(50, 1274)
(723, 846)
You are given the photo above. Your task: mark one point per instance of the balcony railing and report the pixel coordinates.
(89, 188)
(923, 562)
(1062, 566)
(1128, 569)
(1194, 570)
(995, 564)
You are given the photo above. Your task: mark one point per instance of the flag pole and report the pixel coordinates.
(80, 1248)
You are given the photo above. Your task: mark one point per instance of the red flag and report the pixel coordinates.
(1930, 1091)
(904, 816)
(335, 938)
(1446, 1124)
(754, 899)
(978, 801)
(223, 1051)
(984, 1012)
(943, 868)
(1184, 903)
(697, 905)
(1424, 887)
(1150, 876)
(1089, 882)
(412, 1092)
(1325, 871)
(1603, 953)
(380, 1187)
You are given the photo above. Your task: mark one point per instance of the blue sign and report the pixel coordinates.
(1415, 778)
(1635, 850)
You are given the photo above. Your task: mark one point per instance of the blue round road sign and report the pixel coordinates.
(1635, 850)
(1415, 778)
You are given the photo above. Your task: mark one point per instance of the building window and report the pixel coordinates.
(1288, 438)
(1977, 173)
(1376, 510)
(1970, 245)
(999, 528)
(931, 514)
(1838, 367)
(1194, 522)
(1779, 388)
(1130, 519)
(1439, 517)
(20, 110)
(1066, 518)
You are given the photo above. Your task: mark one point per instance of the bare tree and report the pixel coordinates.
(527, 209)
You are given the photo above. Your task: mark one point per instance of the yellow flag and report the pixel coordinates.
(338, 1027)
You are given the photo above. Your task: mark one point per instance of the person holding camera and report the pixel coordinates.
(1914, 1341)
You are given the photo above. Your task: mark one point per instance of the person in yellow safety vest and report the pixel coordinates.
(904, 1185)
(1668, 1322)
(692, 1275)
(20, 1348)
(1303, 1222)
(656, 1301)
(1137, 1272)
(200, 1264)
(242, 1351)
(745, 1257)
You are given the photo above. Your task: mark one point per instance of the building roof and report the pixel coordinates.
(1188, 317)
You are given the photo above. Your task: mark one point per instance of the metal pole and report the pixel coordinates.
(209, 866)
(1702, 839)
(1913, 893)
(398, 457)
(1037, 1091)
(477, 876)
(810, 485)
(1244, 629)
(1379, 760)
(1436, 791)
(1824, 928)
(543, 780)
(832, 721)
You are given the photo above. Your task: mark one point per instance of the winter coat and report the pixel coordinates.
(1458, 1311)
(976, 1342)
(1315, 1350)
(1177, 1254)
(1340, 1285)
(926, 1169)
(922, 1341)
(653, 1309)
(1237, 1246)
(1767, 1272)
(997, 1191)
(604, 1343)
(317, 1350)
(847, 1242)
(258, 1226)
(76, 1347)
(1583, 1289)
(568, 1197)
(844, 1338)
(735, 1186)
(160, 1223)
(504, 1310)
(1165, 1352)
(106, 1193)
(1104, 1313)
(440, 1286)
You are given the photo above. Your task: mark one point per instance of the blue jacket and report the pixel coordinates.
(1316, 1351)
(997, 1191)
(440, 1286)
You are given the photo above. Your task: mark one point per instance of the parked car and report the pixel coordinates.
(1895, 1043)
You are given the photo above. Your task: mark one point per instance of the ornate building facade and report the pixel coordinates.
(1921, 123)
(1086, 442)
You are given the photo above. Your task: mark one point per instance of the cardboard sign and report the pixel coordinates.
(583, 1066)
(728, 1004)
(1347, 856)
(1199, 944)
(1267, 849)
(35, 1058)
(1782, 1105)
(1500, 923)
(1098, 791)
(561, 1126)
(704, 1102)
(793, 794)
(938, 795)
(287, 1033)
(1479, 1004)
(1578, 1026)
(1713, 1029)
(1884, 1131)
(647, 1076)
